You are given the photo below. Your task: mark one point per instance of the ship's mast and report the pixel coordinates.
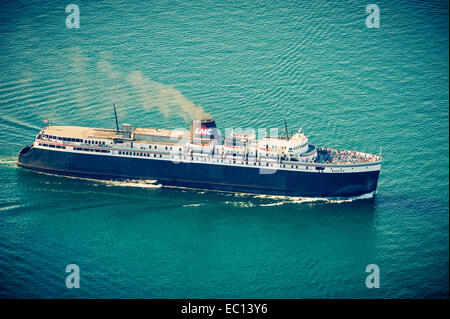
(285, 127)
(115, 115)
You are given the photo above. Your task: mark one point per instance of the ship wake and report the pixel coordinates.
(282, 200)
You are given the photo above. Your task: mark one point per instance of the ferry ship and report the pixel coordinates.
(202, 158)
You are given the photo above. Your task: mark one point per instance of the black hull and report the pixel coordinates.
(197, 175)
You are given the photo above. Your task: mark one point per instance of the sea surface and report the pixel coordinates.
(248, 64)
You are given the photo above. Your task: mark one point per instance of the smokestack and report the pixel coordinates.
(204, 131)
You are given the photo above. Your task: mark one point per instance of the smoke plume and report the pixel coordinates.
(165, 97)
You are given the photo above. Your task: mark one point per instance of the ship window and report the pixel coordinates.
(154, 155)
(160, 155)
(166, 148)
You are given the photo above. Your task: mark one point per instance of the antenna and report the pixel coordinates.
(115, 115)
(285, 127)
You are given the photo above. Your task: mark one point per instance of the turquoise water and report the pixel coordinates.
(248, 63)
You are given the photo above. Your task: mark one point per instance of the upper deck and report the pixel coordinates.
(78, 132)
(342, 157)
(140, 135)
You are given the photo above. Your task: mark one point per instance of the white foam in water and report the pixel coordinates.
(11, 207)
(193, 205)
(240, 204)
(299, 200)
(9, 161)
(144, 183)
(133, 183)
